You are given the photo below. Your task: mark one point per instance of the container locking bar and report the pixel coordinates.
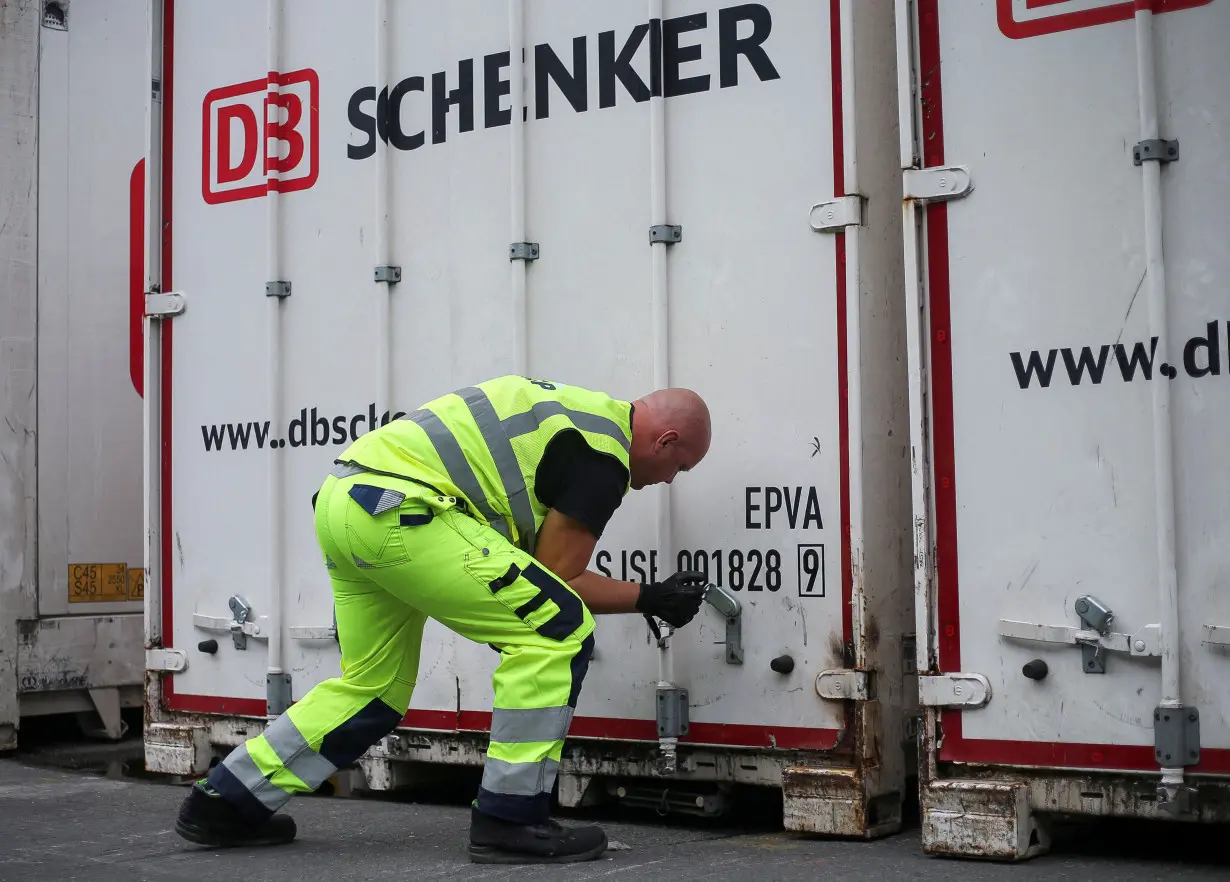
(1095, 637)
(729, 608)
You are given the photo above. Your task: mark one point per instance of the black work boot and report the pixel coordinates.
(496, 841)
(207, 819)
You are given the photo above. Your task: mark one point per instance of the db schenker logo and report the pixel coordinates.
(1020, 19)
(261, 135)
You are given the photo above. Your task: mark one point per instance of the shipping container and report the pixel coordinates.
(73, 87)
(1067, 174)
(363, 205)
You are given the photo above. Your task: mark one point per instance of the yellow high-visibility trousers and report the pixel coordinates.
(398, 553)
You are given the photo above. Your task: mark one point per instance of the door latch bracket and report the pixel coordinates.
(1094, 637)
(241, 627)
(729, 607)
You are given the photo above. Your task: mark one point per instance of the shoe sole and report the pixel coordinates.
(198, 836)
(484, 854)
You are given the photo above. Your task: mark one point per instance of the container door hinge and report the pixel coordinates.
(954, 690)
(1176, 736)
(161, 306)
(166, 660)
(523, 251)
(1094, 637)
(938, 184)
(277, 693)
(837, 214)
(390, 274)
(1155, 150)
(844, 685)
(671, 234)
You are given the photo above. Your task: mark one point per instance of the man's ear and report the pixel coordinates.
(667, 438)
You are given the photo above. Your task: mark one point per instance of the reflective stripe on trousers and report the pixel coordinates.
(241, 777)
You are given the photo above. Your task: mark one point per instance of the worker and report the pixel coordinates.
(480, 510)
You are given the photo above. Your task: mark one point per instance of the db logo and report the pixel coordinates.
(1019, 19)
(256, 139)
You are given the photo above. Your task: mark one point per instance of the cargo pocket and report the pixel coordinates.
(530, 593)
(377, 523)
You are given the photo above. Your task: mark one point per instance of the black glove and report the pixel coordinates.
(676, 600)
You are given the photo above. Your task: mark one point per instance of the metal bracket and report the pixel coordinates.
(672, 712)
(277, 693)
(668, 233)
(1217, 635)
(938, 184)
(835, 215)
(954, 690)
(240, 627)
(277, 289)
(729, 607)
(523, 251)
(386, 274)
(167, 660)
(1176, 736)
(164, 305)
(844, 685)
(1155, 150)
(1095, 638)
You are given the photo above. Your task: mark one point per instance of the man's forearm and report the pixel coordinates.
(604, 595)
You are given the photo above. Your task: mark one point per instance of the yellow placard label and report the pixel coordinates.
(136, 584)
(97, 583)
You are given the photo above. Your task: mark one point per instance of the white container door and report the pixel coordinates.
(93, 88)
(751, 318)
(1043, 356)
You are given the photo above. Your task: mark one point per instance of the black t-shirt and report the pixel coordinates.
(580, 482)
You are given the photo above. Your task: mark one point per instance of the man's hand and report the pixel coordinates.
(676, 600)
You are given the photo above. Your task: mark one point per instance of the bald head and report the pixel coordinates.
(671, 431)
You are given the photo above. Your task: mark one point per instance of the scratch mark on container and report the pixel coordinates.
(1131, 303)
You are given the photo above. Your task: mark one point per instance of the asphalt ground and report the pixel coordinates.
(98, 822)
